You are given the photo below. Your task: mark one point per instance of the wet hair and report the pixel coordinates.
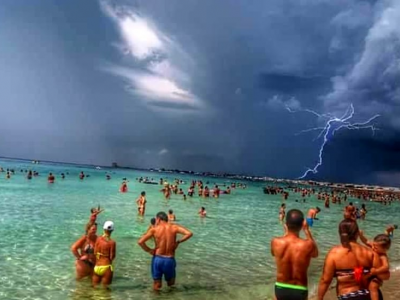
(317, 208)
(294, 220)
(350, 203)
(92, 210)
(383, 240)
(203, 208)
(283, 205)
(170, 211)
(153, 221)
(395, 226)
(348, 231)
(162, 216)
(143, 193)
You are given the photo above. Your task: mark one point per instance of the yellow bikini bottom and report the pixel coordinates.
(101, 270)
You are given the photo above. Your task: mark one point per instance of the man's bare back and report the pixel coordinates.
(292, 256)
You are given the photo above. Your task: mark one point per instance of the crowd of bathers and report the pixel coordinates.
(359, 268)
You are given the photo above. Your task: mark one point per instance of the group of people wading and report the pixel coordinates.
(95, 255)
(359, 270)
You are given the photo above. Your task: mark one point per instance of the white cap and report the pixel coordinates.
(108, 225)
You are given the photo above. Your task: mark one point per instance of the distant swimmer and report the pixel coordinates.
(124, 187)
(83, 250)
(184, 197)
(292, 257)
(8, 175)
(216, 192)
(105, 251)
(29, 175)
(163, 262)
(81, 176)
(141, 203)
(166, 190)
(202, 212)
(108, 176)
(363, 212)
(171, 216)
(350, 211)
(390, 230)
(51, 178)
(312, 215)
(62, 176)
(282, 212)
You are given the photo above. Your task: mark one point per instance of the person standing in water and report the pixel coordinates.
(292, 257)
(165, 236)
(282, 212)
(105, 251)
(312, 215)
(141, 203)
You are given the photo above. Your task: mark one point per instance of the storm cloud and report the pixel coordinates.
(202, 85)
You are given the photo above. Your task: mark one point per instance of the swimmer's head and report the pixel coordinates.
(318, 209)
(294, 220)
(93, 209)
(395, 226)
(143, 193)
(348, 231)
(153, 221)
(381, 243)
(283, 205)
(51, 174)
(351, 203)
(108, 226)
(161, 216)
(170, 211)
(203, 208)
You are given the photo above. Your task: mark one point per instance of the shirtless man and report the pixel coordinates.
(105, 251)
(312, 215)
(349, 211)
(141, 203)
(163, 262)
(292, 256)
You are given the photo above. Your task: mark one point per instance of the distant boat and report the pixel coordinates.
(98, 168)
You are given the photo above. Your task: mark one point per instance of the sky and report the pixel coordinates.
(203, 85)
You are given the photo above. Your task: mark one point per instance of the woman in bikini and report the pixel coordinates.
(350, 263)
(83, 250)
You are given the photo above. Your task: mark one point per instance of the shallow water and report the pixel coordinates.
(227, 258)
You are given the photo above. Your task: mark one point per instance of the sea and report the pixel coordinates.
(228, 256)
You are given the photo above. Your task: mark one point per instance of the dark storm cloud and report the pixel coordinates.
(200, 77)
(290, 84)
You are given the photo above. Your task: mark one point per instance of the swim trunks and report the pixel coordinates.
(284, 291)
(357, 295)
(161, 265)
(310, 222)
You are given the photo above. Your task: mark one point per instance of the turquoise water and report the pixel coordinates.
(227, 258)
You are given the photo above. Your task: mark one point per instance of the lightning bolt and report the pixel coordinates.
(333, 124)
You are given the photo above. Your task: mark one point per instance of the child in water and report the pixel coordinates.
(380, 245)
(93, 216)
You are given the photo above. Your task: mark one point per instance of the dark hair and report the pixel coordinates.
(350, 203)
(162, 216)
(348, 231)
(283, 204)
(294, 220)
(203, 208)
(395, 226)
(384, 240)
(317, 208)
(143, 193)
(170, 211)
(153, 221)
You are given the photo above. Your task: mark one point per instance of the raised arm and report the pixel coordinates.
(327, 275)
(142, 241)
(272, 247)
(309, 237)
(78, 245)
(187, 234)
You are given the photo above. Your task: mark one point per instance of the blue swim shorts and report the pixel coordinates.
(310, 222)
(161, 265)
